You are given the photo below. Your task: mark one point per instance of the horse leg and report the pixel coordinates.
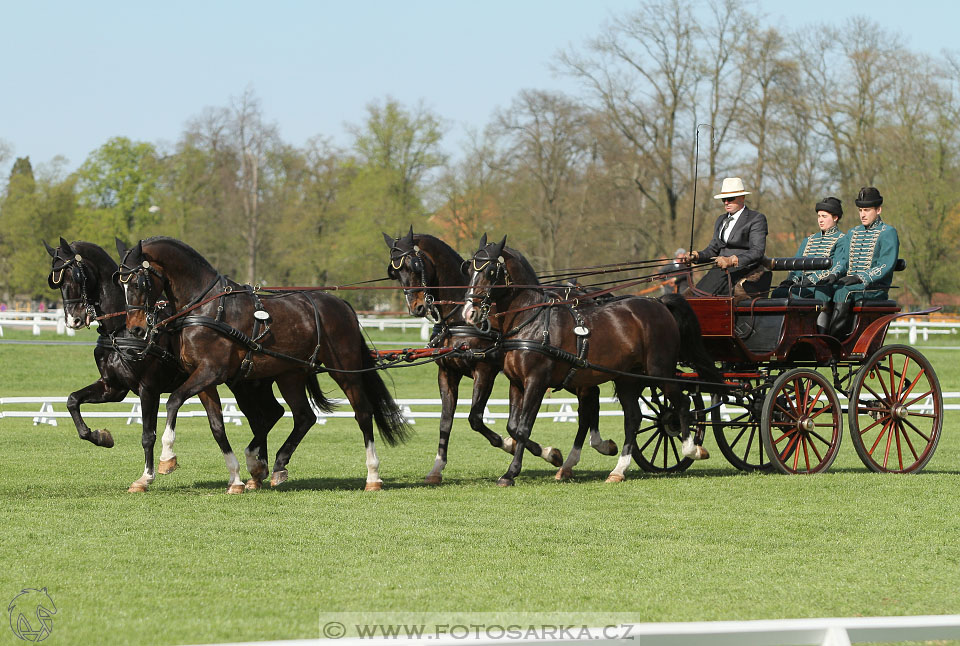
(149, 403)
(680, 404)
(548, 453)
(99, 392)
(293, 388)
(600, 445)
(529, 405)
(256, 401)
(588, 410)
(449, 382)
(484, 374)
(628, 391)
(353, 387)
(210, 399)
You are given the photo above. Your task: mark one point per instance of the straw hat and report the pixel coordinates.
(731, 187)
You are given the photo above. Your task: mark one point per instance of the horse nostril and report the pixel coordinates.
(419, 310)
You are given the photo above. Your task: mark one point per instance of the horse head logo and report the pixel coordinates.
(31, 614)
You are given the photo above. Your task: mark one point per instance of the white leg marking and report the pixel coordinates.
(438, 465)
(147, 477)
(689, 448)
(622, 464)
(373, 464)
(233, 466)
(169, 437)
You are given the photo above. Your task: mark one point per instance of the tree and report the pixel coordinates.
(116, 190)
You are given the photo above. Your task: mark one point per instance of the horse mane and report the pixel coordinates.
(183, 246)
(95, 253)
(441, 251)
(531, 277)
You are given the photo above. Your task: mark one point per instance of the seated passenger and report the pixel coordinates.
(738, 244)
(821, 244)
(864, 261)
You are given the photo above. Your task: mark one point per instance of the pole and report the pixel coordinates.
(696, 168)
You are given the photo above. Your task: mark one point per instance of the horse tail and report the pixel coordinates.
(692, 350)
(390, 421)
(320, 400)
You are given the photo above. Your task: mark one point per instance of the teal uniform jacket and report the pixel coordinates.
(819, 245)
(869, 253)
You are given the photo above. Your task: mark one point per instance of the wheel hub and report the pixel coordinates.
(900, 412)
(806, 425)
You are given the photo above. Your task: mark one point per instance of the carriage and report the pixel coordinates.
(784, 411)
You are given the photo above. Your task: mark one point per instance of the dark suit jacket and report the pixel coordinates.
(747, 241)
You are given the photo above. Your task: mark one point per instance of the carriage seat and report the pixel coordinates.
(775, 303)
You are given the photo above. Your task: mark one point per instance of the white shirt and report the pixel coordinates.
(726, 232)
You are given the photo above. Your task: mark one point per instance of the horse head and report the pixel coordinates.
(78, 281)
(486, 270)
(143, 285)
(416, 272)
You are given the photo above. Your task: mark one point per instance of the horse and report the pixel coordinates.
(432, 275)
(629, 340)
(240, 333)
(83, 271)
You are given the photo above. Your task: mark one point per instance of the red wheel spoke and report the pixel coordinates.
(903, 394)
(903, 374)
(886, 428)
(875, 422)
(821, 438)
(806, 455)
(906, 438)
(916, 430)
(898, 430)
(918, 398)
(886, 451)
(813, 446)
(788, 413)
(827, 407)
(893, 378)
(879, 398)
(813, 401)
(795, 402)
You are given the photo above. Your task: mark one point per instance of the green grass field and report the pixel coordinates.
(185, 563)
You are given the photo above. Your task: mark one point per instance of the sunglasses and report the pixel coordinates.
(727, 199)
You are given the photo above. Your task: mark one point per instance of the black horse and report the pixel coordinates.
(548, 345)
(434, 282)
(82, 271)
(229, 333)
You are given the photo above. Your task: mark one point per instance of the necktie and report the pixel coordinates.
(723, 229)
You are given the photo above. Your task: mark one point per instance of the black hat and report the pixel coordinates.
(830, 205)
(869, 196)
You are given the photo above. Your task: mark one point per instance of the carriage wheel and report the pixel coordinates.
(658, 447)
(896, 410)
(739, 438)
(802, 422)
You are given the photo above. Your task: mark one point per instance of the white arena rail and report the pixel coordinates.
(558, 409)
(914, 328)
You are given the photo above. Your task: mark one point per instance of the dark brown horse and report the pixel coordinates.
(434, 282)
(547, 345)
(83, 271)
(230, 333)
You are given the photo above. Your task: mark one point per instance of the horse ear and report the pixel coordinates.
(65, 248)
(121, 247)
(503, 243)
(409, 236)
(388, 240)
(138, 250)
(50, 250)
(483, 241)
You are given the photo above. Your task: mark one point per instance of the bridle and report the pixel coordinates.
(79, 275)
(142, 277)
(417, 267)
(495, 273)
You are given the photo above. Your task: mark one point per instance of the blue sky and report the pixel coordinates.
(74, 74)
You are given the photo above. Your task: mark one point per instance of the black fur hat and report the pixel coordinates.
(868, 197)
(830, 205)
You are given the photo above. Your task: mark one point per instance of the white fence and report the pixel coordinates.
(914, 328)
(46, 410)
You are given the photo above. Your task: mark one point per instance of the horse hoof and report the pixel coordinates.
(137, 487)
(235, 489)
(607, 447)
(564, 475)
(166, 467)
(253, 484)
(278, 478)
(259, 472)
(553, 456)
(505, 482)
(614, 478)
(510, 445)
(373, 486)
(104, 439)
(433, 480)
(701, 454)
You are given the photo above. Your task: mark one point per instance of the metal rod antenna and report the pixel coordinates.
(696, 167)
